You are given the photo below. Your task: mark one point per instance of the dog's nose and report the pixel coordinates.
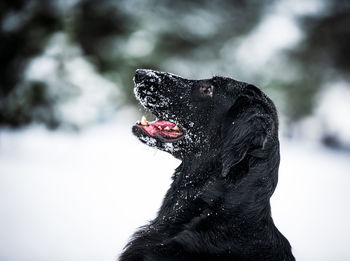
(140, 75)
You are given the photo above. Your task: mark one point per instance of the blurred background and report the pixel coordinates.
(75, 183)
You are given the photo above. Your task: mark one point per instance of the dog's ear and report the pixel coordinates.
(245, 129)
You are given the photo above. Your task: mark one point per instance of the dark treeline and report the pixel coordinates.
(181, 36)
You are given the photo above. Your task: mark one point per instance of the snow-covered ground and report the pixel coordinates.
(79, 196)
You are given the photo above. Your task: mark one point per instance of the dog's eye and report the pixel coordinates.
(207, 90)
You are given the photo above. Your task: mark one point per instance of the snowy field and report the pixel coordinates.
(79, 196)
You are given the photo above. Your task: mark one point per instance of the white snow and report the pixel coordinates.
(334, 100)
(149, 141)
(169, 147)
(330, 116)
(139, 44)
(311, 205)
(80, 196)
(276, 32)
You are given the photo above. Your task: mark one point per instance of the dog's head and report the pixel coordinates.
(218, 116)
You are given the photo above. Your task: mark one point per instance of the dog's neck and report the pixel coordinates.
(241, 202)
(246, 196)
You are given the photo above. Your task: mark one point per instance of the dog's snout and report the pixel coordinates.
(140, 75)
(147, 76)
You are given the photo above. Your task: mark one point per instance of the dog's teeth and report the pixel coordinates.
(176, 128)
(167, 128)
(143, 120)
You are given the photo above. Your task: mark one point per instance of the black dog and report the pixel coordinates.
(218, 207)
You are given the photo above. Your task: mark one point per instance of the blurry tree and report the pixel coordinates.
(181, 36)
(321, 57)
(25, 27)
(116, 36)
(121, 37)
(327, 41)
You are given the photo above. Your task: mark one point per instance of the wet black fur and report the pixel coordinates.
(218, 206)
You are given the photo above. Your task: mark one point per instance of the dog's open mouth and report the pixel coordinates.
(162, 129)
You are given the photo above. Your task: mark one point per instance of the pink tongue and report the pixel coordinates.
(153, 129)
